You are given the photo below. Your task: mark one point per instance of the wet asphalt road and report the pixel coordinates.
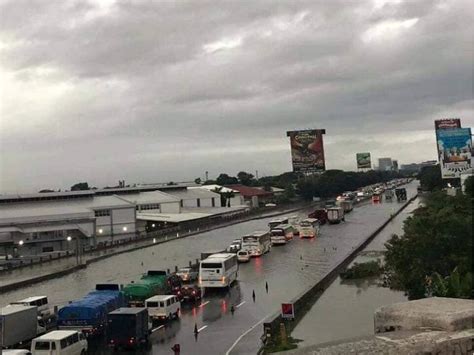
(288, 270)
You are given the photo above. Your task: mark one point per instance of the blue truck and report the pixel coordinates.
(89, 314)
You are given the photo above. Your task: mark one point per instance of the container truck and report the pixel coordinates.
(401, 194)
(128, 327)
(19, 325)
(346, 205)
(320, 214)
(89, 314)
(335, 215)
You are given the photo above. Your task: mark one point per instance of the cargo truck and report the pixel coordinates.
(154, 282)
(346, 205)
(401, 194)
(335, 215)
(128, 327)
(320, 214)
(19, 325)
(89, 314)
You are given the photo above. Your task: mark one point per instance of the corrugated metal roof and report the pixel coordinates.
(150, 197)
(194, 193)
(171, 217)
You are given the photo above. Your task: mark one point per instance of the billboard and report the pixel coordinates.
(447, 123)
(363, 161)
(307, 151)
(454, 151)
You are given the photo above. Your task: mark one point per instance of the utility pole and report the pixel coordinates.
(207, 175)
(256, 174)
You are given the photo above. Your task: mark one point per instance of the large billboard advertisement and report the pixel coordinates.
(454, 151)
(447, 123)
(363, 161)
(307, 151)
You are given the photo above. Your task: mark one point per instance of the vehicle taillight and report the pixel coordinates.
(132, 340)
(223, 279)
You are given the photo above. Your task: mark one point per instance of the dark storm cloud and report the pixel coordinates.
(151, 90)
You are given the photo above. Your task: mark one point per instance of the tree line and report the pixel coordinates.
(433, 257)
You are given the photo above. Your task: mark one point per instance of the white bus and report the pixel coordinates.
(218, 270)
(309, 228)
(277, 221)
(281, 234)
(38, 301)
(257, 243)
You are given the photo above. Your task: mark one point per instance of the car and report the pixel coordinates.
(243, 256)
(189, 293)
(187, 274)
(235, 246)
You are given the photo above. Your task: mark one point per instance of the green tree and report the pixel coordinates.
(224, 179)
(245, 178)
(437, 239)
(197, 181)
(430, 178)
(80, 186)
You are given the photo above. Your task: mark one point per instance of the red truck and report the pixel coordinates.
(320, 214)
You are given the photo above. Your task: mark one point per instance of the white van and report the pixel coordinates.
(39, 301)
(60, 342)
(163, 307)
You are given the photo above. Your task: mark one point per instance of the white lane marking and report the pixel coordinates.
(203, 304)
(202, 328)
(240, 304)
(246, 332)
(156, 329)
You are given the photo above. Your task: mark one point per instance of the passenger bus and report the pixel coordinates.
(281, 234)
(309, 228)
(257, 243)
(277, 221)
(218, 270)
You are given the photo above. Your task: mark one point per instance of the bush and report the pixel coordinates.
(362, 270)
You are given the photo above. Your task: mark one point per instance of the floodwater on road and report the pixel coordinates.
(346, 308)
(288, 270)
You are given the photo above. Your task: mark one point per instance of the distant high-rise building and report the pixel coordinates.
(395, 165)
(385, 164)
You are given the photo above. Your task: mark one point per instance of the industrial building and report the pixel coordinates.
(230, 197)
(33, 224)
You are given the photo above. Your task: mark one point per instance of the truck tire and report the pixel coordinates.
(170, 317)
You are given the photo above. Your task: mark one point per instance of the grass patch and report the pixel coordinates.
(363, 270)
(277, 346)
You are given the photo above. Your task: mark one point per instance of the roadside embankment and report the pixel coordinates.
(304, 302)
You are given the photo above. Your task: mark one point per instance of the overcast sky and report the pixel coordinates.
(151, 91)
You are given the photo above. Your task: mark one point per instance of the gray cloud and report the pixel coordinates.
(153, 91)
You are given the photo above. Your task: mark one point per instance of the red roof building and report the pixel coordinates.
(253, 195)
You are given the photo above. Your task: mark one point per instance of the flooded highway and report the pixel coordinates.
(288, 270)
(346, 309)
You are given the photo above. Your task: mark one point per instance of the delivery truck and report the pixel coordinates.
(19, 325)
(128, 327)
(335, 215)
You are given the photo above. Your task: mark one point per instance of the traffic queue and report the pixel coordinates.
(126, 315)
